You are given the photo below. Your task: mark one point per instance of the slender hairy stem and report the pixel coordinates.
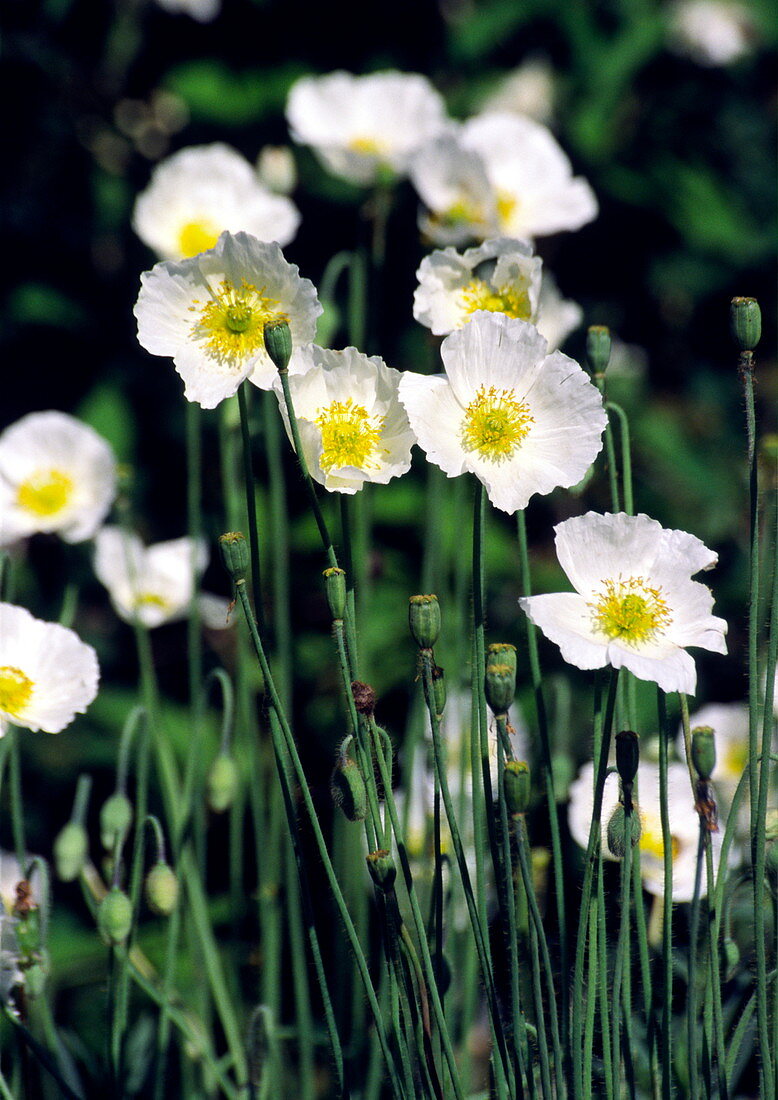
(667, 903)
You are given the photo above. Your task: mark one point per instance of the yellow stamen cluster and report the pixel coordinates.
(349, 436)
(630, 610)
(196, 237)
(369, 146)
(45, 493)
(495, 424)
(232, 323)
(511, 300)
(15, 690)
(506, 208)
(151, 599)
(651, 837)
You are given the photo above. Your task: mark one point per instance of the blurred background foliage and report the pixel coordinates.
(680, 155)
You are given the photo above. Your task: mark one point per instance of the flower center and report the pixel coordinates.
(232, 323)
(45, 493)
(495, 424)
(651, 837)
(734, 759)
(15, 690)
(349, 436)
(631, 611)
(368, 146)
(196, 237)
(512, 300)
(507, 205)
(151, 599)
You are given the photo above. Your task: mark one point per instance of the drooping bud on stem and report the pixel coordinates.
(621, 826)
(114, 917)
(335, 586)
(278, 343)
(382, 869)
(704, 751)
(424, 620)
(746, 322)
(347, 785)
(115, 820)
(162, 889)
(70, 849)
(517, 784)
(222, 783)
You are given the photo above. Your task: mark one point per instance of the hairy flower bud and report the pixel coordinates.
(235, 555)
(335, 586)
(222, 783)
(347, 788)
(704, 751)
(424, 620)
(500, 682)
(114, 917)
(598, 348)
(161, 889)
(70, 849)
(746, 321)
(278, 343)
(382, 869)
(517, 784)
(115, 820)
(617, 832)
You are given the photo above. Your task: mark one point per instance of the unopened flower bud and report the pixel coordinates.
(627, 755)
(222, 783)
(746, 321)
(598, 348)
(619, 822)
(729, 957)
(382, 869)
(335, 586)
(704, 751)
(161, 889)
(348, 790)
(70, 849)
(115, 820)
(500, 679)
(114, 917)
(517, 784)
(235, 555)
(278, 343)
(276, 169)
(424, 620)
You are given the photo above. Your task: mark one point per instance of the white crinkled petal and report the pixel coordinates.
(675, 671)
(581, 807)
(597, 547)
(435, 417)
(565, 619)
(492, 350)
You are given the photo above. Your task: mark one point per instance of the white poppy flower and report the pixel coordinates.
(56, 475)
(712, 32)
(635, 605)
(684, 825)
(522, 421)
(199, 192)
(208, 313)
(204, 11)
(364, 126)
(47, 674)
(352, 427)
(498, 175)
(155, 584)
(528, 90)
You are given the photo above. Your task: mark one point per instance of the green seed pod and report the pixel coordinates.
(70, 849)
(161, 889)
(627, 755)
(382, 869)
(222, 782)
(500, 687)
(517, 784)
(598, 348)
(424, 620)
(114, 917)
(501, 653)
(729, 957)
(115, 820)
(278, 342)
(704, 751)
(746, 321)
(335, 585)
(235, 555)
(615, 831)
(348, 790)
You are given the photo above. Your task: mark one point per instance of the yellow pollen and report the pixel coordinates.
(495, 424)
(511, 300)
(507, 205)
(151, 599)
(15, 690)
(367, 145)
(651, 838)
(196, 237)
(734, 759)
(631, 611)
(349, 436)
(45, 493)
(232, 322)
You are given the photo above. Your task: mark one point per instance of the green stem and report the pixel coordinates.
(667, 903)
(626, 455)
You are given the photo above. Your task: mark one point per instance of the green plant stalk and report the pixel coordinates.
(351, 585)
(548, 778)
(373, 821)
(283, 742)
(302, 993)
(603, 726)
(602, 984)
(251, 501)
(691, 992)
(194, 623)
(626, 455)
(667, 903)
(475, 920)
(278, 546)
(17, 804)
(622, 967)
(541, 944)
(613, 470)
(713, 964)
(591, 1006)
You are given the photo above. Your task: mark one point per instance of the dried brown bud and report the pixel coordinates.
(364, 697)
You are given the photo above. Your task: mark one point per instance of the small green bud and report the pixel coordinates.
(222, 783)
(335, 585)
(729, 957)
(704, 751)
(161, 889)
(627, 755)
(500, 681)
(114, 917)
(348, 790)
(598, 348)
(115, 820)
(235, 555)
(278, 342)
(382, 869)
(424, 620)
(616, 830)
(746, 321)
(517, 785)
(70, 849)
